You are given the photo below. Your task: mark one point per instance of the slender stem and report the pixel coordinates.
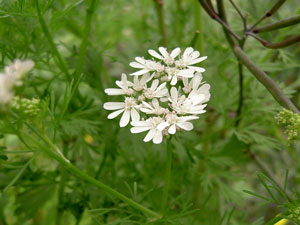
(53, 153)
(195, 39)
(58, 58)
(198, 27)
(278, 25)
(210, 11)
(85, 40)
(240, 13)
(267, 172)
(262, 77)
(241, 93)
(167, 178)
(161, 21)
(281, 44)
(269, 13)
(61, 190)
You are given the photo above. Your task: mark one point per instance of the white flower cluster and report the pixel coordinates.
(164, 96)
(11, 78)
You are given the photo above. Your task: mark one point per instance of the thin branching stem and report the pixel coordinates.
(52, 151)
(85, 40)
(161, 20)
(243, 17)
(269, 13)
(267, 172)
(210, 11)
(241, 93)
(262, 77)
(58, 58)
(164, 201)
(278, 25)
(282, 44)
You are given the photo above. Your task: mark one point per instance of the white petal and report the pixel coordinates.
(140, 60)
(125, 118)
(195, 54)
(198, 60)
(186, 126)
(174, 94)
(113, 105)
(149, 135)
(186, 73)
(164, 52)
(188, 51)
(136, 65)
(114, 91)
(154, 84)
(135, 116)
(172, 129)
(140, 123)
(163, 85)
(174, 80)
(145, 78)
(115, 114)
(135, 130)
(162, 126)
(198, 69)
(157, 139)
(175, 52)
(155, 54)
(140, 72)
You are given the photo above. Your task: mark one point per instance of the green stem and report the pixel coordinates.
(198, 26)
(278, 25)
(262, 77)
(85, 40)
(54, 153)
(59, 60)
(161, 21)
(167, 178)
(269, 13)
(61, 190)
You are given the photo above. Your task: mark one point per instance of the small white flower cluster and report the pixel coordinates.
(164, 95)
(11, 78)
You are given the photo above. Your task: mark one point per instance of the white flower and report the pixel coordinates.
(156, 91)
(190, 57)
(18, 69)
(181, 122)
(174, 73)
(12, 77)
(187, 105)
(139, 85)
(146, 66)
(124, 89)
(154, 108)
(128, 108)
(154, 125)
(165, 56)
(153, 103)
(193, 84)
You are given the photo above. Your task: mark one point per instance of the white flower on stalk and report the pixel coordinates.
(179, 122)
(155, 126)
(11, 78)
(153, 103)
(146, 66)
(153, 108)
(156, 91)
(165, 56)
(190, 57)
(128, 108)
(124, 87)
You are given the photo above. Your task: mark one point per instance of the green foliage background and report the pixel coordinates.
(212, 164)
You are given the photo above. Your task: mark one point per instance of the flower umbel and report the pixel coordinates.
(164, 95)
(11, 78)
